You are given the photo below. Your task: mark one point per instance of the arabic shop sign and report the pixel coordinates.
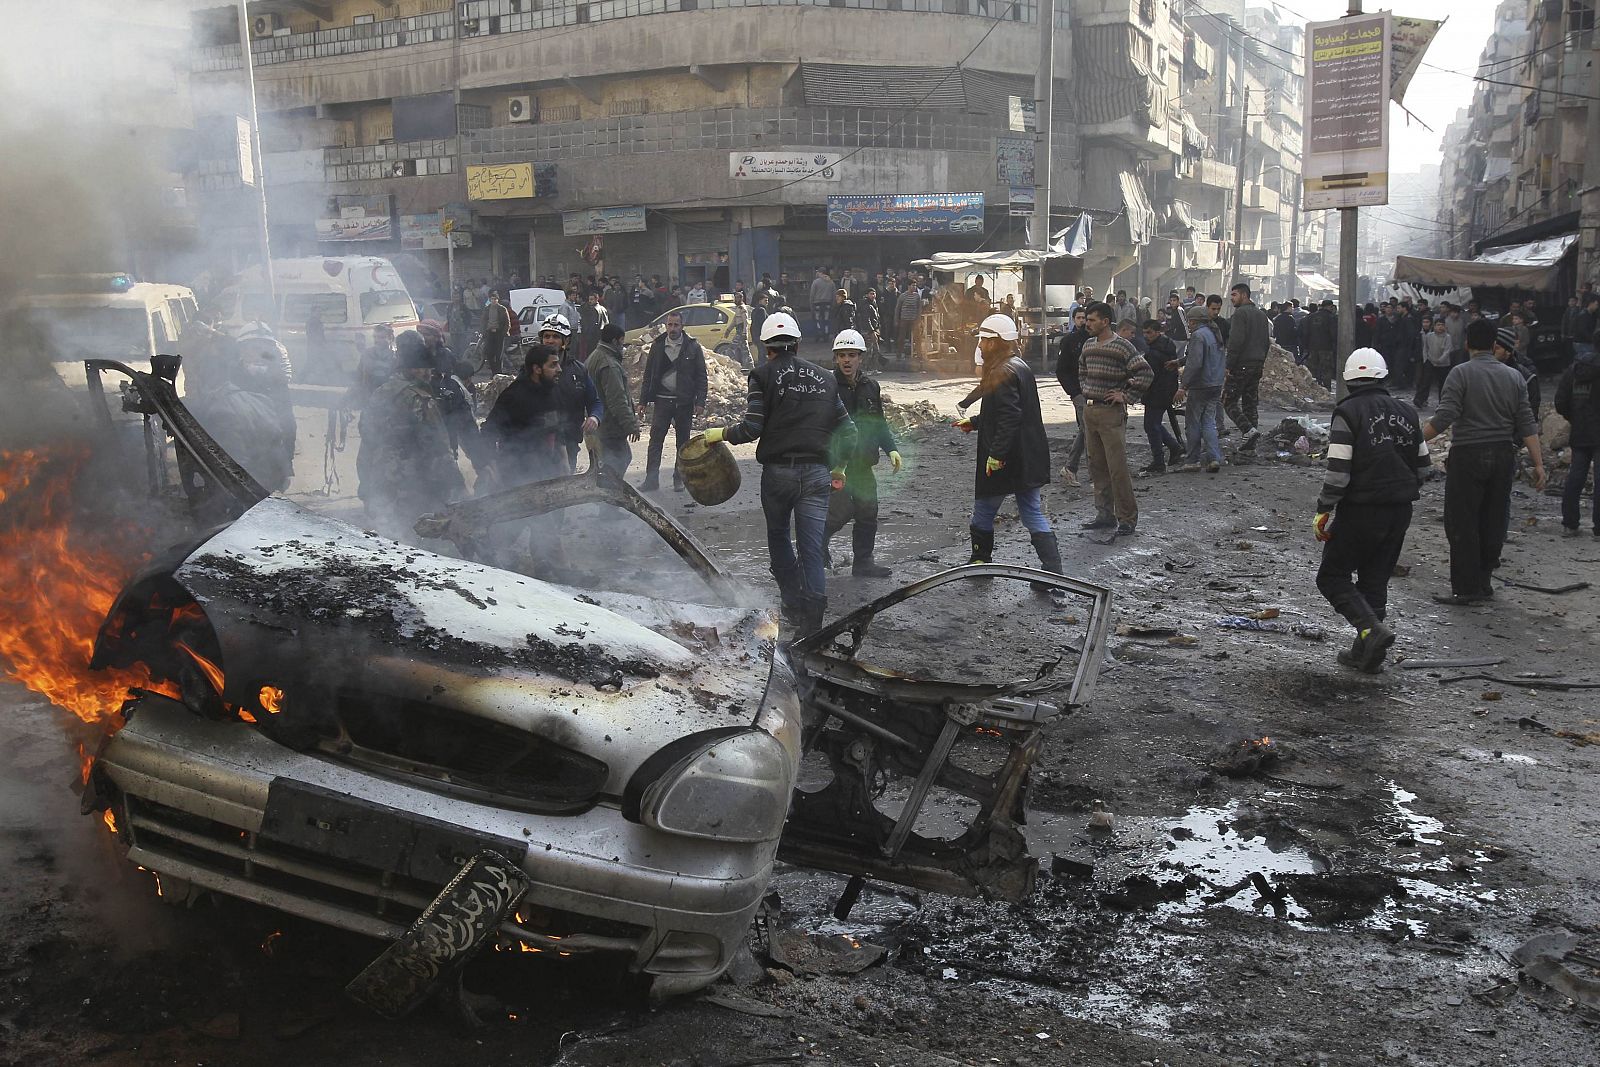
(907, 213)
(510, 181)
(602, 220)
(1347, 112)
(802, 163)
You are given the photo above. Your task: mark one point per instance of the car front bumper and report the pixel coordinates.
(191, 795)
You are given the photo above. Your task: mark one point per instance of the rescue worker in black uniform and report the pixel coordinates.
(793, 408)
(1376, 460)
(858, 500)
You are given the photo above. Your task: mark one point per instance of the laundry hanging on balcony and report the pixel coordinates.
(1141, 216)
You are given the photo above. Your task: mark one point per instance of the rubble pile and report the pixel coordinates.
(486, 392)
(904, 418)
(1287, 385)
(727, 389)
(1555, 433)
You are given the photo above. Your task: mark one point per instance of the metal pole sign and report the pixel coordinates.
(1347, 112)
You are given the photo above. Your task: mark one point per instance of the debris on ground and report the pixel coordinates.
(811, 954)
(1241, 622)
(1531, 681)
(1432, 664)
(904, 418)
(1286, 384)
(1546, 958)
(1071, 868)
(1246, 756)
(1553, 590)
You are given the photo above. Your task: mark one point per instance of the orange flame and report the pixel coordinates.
(212, 672)
(271, 698)
(109, 819)
(60, 580)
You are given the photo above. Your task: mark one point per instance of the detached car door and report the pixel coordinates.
(924, 711)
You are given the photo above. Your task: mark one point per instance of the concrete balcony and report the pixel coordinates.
(1258, 197)
(1207, 173)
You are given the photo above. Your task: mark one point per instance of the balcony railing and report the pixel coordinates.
(410, 159)
(496, 18)
(1258, 197)
(740, 128)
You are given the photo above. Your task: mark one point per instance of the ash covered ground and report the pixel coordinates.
(1408, 833)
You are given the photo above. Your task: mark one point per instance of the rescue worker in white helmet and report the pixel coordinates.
(858, 500)
(579, 399)
(793, 408)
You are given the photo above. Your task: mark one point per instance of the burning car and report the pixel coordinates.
(446, 754)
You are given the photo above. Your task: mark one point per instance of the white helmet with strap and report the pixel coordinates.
(780, 329)
(556, 323)
(850, 340)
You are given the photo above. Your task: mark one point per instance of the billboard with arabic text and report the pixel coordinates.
(957, 213)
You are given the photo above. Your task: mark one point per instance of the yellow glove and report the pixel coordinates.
(963, 424)
(991, 465)
(715, 434)
(894, 458)
(1322, 524)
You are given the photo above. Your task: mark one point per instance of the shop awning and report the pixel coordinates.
(964, 261)
(1535, 265)
(1316, 282)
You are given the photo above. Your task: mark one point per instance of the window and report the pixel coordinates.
(384, 305)
(299, 307)
(701, 316)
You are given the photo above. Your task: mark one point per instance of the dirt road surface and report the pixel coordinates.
(1411, 833)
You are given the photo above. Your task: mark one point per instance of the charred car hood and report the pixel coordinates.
(319, 609)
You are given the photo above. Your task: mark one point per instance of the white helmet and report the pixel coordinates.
(999, 326)
(556, 323)
(252, 331)
(850, 339)
(780, 328)
(1365, 363)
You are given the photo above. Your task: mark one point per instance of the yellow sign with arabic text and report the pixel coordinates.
(500, 181)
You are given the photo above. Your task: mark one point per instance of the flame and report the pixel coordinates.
(268, 946)
(271, 698)
(60, 581)
(109, 819)
(212, 672)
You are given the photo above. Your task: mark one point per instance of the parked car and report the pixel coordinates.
(710, 324)
(386, 739)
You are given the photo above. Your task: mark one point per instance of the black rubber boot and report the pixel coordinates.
(1354, 656)
(982, 545)
(863, 540)
(1049, 550)
(813, 610)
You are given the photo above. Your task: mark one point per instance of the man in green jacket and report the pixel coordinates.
(618, 422)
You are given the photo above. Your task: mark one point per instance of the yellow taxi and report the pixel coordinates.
(710, 324)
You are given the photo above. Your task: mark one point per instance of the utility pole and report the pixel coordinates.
(258, 165)
(1294, 245)
(1238, 169)
(1044, 91)
(1347, 274)
(1589, 195)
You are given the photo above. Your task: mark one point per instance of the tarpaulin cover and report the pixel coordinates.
(1535, 265)
(961, 261)
(1317, 282)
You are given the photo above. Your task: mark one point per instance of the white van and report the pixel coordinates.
(105, 316)
(350, 294)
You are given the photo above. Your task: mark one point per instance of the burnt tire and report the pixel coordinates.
(462, 919)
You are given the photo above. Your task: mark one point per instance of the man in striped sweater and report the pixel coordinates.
(1376, 460)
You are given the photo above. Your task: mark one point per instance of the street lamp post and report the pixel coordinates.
(257, 164)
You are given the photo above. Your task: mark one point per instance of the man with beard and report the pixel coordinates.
(527, 423)
(1013, 455)
(1113, 375)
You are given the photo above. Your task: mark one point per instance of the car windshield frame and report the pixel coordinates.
(332, 308)
(70, 332)
(374, 301)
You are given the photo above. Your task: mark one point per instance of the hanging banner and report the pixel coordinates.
(1346, 119)
(906, 213)
(598, 220)
(1409, 39)
(356, 218)
(1013, 160)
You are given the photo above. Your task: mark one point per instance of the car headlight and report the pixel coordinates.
(726, 785)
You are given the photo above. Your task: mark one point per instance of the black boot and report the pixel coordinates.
(1049, 550)
(863, 539)
(813, 609)
(1355, 655)
(982, 545)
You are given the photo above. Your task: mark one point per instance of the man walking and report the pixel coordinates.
(793, 409)
(1486, 402)
(1068, 351)
(496, 324)
(618, 422)
(823, 293)
(1162, 355)
(1376, 460)
(858, 500)
(1112, 375)
(1248, 338)
(1435, 362)
(1013, 453)
(672, 394)
(907, 310)
(1578, 401)
(1320, 333)
(527, 422)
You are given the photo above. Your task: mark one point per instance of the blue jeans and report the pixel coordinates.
(1202, 414)
(1156, 432)
(802, 491)
(1029, 509)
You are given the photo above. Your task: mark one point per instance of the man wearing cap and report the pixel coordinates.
(675, 384)
(858, 500)
(793, 408)
(406, 465)
(1376, 460)
(1112, 375)
(1013, 452)
(618, 422)
(1485, 404)
(1204, 371)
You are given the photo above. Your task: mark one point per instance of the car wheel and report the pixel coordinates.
(738, 353)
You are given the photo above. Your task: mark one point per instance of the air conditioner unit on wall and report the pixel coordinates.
(520, 109)
(263, 25)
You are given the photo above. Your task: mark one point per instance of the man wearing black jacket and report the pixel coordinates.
(527, 421)
(1162, 355)
(1067, 353)
(675, 385)
(1376, 459)
(1319, 334)
(793, 409)
(858, 500)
